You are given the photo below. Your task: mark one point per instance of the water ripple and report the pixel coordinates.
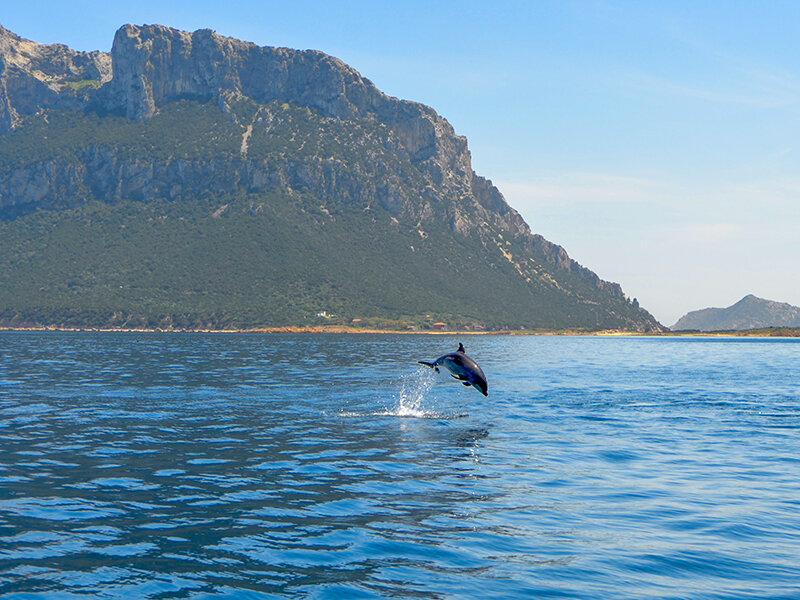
(233, 466)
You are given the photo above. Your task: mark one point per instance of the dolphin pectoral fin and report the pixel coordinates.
(466, 383)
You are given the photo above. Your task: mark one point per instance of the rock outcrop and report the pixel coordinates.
(37, 76)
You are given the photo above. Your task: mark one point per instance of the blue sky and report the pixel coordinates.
(655, 141)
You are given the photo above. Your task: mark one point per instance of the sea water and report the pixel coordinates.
(155, 465)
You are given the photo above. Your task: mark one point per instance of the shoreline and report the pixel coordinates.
(766, 332)
(317, 329)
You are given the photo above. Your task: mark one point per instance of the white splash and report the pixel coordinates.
(411, 401)
(413, 390)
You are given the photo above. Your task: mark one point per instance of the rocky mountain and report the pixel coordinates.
(35, 76)
(748, 313)
(309, 192)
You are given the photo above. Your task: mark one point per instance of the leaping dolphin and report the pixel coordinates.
(461, 367)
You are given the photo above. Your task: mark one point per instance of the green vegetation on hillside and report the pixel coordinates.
(184, 129)
(80, 84)
(250, 261)
(226, 262)
(275, 257)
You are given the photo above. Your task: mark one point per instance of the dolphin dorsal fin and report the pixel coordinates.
(461, 348)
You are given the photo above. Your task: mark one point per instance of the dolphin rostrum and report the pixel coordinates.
(461, 367)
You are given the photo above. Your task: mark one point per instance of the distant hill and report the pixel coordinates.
(190, 180)
(748, 313)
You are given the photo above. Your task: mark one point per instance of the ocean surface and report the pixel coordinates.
(150, 465)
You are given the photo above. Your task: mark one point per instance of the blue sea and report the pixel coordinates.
(159, 466)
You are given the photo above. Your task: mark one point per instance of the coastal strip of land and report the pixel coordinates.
(761, 332)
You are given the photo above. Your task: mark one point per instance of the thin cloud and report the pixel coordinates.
(743, 79)
(746, 200)
(756, 90)
(710, 232)
(580, 188)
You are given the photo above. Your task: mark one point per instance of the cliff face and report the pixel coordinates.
(750, 312)
(411, 162)
(156, 65)
(37, 76)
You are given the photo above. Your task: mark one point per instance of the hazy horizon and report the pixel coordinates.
(654, 143)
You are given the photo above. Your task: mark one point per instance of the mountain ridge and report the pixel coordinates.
(751, 312)
(79, 130)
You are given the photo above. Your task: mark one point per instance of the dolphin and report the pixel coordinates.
(461, 367)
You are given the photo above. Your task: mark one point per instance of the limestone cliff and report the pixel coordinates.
(36, 76)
